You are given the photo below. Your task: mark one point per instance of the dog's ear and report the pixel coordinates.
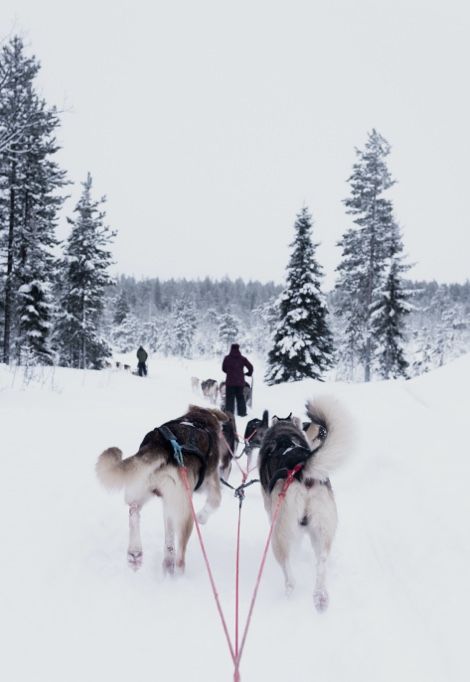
(265, 420)
(274, 420)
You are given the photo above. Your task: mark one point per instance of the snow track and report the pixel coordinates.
(398, 574)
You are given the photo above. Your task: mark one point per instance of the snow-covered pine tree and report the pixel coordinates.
(390, 310)
(179, 332)
(29, 204)
(229, 328)
(302, 345)
(122, 309)
(85, 276)
(366, 248)
(184, 328)
(422, 352)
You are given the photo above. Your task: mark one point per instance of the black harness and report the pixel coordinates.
(189, 446)
(289, 452)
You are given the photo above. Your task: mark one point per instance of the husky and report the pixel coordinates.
(254, 433)
(153, 471)
(229, 447)
(210, 389)
(309, 505)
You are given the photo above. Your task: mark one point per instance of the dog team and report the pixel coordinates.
(207, 440)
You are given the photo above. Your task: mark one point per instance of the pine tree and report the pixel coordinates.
(122, 308)
(29, 204)
(366, 272)
(302, 345)
(184, 327)
(422, 355)
(85, 277)
(389, 312)
(228, 329)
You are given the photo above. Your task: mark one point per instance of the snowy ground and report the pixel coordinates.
(398, 575)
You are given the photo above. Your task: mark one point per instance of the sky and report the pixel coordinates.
(209, 124)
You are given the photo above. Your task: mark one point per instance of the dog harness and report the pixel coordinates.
(178, 449)
(294, 452)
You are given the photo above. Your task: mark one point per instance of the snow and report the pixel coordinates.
(398, 573)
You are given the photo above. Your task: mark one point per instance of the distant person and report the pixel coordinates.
(233, 366)
(142, 361)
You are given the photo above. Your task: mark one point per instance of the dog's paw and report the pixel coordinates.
(321, 600)
(134, 559)
(202, 517)
(168, 566)
(289, 588)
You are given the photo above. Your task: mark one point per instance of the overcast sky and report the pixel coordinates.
(208, 124)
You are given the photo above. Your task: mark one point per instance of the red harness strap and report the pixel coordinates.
(184, 476)
(282, 495)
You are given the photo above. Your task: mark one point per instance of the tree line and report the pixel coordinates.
(59, 304)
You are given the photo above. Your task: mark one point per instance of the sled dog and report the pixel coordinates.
(153, 471)
(309, 505)
(210, 389)
(254, 433)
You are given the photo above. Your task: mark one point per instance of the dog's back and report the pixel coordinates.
(198, 428)
(281, 443)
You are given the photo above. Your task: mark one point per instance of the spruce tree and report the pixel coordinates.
(228, 329)
(303, 345)
(29, 204)
(389, 313)
(184, 327)
(85, 276)
(122, 308)
(370, 269)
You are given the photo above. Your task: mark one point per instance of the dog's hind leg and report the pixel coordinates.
(134, 551)
(322, 546)
(184, 531)
(285, 534)
(169, 555)
(178, 525)
(214, 496)
(322, 530)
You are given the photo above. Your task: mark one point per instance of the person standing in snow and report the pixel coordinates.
(142, 360)
(233, 365)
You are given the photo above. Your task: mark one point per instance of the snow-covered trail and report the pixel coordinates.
(71, 608)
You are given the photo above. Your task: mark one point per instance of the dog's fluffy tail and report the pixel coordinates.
(328, 412)
(111, 470)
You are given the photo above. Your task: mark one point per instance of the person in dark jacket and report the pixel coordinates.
(142, 361)
(233, 365)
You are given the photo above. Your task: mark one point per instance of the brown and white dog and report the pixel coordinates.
(309, 505)
(153, 471)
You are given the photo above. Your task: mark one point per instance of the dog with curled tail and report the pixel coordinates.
(153, 472)
(309, 507)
